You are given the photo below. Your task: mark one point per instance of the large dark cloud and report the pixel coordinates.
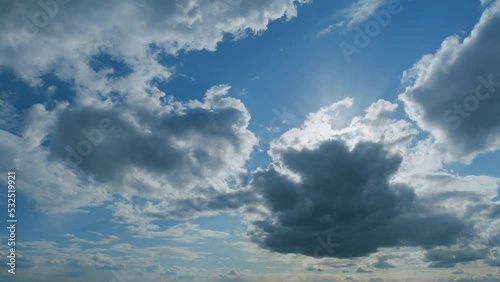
(164, 151)
(346, 197)
(180, 149)
(160, 149)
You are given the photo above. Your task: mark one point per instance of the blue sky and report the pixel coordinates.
(242, 138)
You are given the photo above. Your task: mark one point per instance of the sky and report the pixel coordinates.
(234, 140)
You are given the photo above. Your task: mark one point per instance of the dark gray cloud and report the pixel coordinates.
(346, 195)
(455, 93)
(181, 149)
(163, 150)
(312, 268)
(449, 258)
(159, 149)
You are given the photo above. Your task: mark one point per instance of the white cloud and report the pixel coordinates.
(360, 10)
(453, 93)
(184, 232)
(62, 36)
(376, 125)
(102, 241)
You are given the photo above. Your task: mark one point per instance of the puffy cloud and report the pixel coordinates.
(63, 36)
(382, 262)
(171, 152)
(159, 149)
(358, 186)
(453, 94)
(346, 194)
(377, 125)
(53, 186)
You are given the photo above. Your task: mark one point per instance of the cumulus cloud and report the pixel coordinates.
(174, 150)
(382, 262)
(349, 186)
(346, 195)
(72, 33)
(51, 184)
(363, 187)
(377, 126)
(453, 94)
(160, 148)
(164, 148)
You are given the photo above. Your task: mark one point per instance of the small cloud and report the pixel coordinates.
(330, 28)
(51, 89)
(359, 11)
(233, 272)
(382, 263)
(312, 268)
(186, 76)
(362, 270)
(242, 92)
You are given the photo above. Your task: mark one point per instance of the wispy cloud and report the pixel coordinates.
(357, 13)
(360, 11)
